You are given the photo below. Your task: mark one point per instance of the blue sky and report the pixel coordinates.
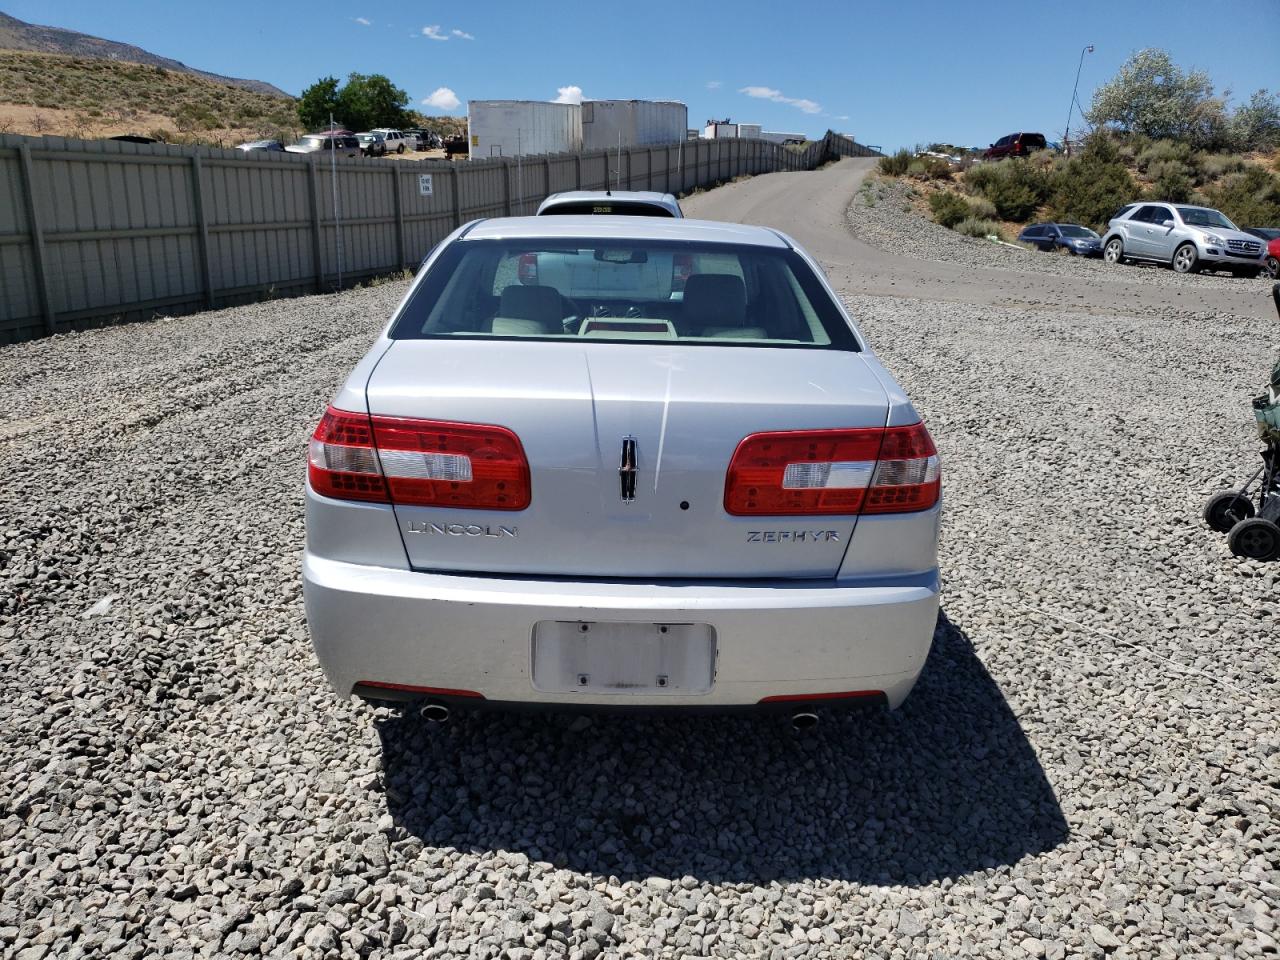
(891, 73)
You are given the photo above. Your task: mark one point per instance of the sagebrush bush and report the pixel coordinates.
(1215, 165)
(1173, 181)
(1093, 185)
(895, 165)
(1162, 151)
(1250, 198)
(949, 208)
(976, 227)
(982, 208)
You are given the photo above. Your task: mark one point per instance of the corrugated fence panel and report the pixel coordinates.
(123, 231)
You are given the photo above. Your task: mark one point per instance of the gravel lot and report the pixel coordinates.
(1088, 768)
(882, 214)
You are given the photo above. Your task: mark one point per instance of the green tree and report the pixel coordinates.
(1153, 97)
(371, 101)
(1256, 124)
(317, 103)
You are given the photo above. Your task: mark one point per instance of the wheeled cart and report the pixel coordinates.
(1250, 516)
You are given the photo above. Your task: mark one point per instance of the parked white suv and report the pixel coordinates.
(1189, 239)
(396, 141)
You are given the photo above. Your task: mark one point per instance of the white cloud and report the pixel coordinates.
(462, 35)
(364, 21)
(714, 84)
(570, 94)
(843, 116)
(768, 93)
(433, 33)
(442, 99)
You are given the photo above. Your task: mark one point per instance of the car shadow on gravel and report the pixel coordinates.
(946, 785)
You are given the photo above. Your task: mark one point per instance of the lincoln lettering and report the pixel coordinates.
(793, 536)
(461, 529)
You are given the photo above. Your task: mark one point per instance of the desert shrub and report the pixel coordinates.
(1018, 191)
(1172, 181)
(1215, 165)
(1093, 185)
(1251, 198)
(895, 165)
(980, 176)
(976, 227)
(161, 134)
(949, 208)
(929, 168)
(982, 208)
(1164, 151)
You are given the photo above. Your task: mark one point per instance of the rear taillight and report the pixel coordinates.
(418, 462)
(342, 462)
(893, 470)
(681, 270)
(527, 268)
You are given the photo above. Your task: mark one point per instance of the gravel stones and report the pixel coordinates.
(1092, 750)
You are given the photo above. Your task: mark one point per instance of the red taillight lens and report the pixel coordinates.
(434, 463)
(908, 476)
(418, 462)
(816, 472)
(342, 462)
(527, 268)
(681, 270)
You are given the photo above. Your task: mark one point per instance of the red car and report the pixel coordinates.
(1273, 259)
(1014, 145)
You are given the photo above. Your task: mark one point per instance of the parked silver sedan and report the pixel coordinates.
(629, 492)
(1188, 238)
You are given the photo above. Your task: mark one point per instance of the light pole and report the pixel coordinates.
(1066, 135)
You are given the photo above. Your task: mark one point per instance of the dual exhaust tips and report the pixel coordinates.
(438, 713)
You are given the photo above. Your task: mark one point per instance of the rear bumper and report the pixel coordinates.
(773, 639)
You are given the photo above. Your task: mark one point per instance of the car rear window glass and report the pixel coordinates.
(1032, 232)
(1033, 141)
(608, 207)
(625, 291)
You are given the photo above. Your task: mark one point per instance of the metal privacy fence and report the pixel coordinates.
(100, 231)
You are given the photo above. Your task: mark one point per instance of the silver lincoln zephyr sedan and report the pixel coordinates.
(605, 461)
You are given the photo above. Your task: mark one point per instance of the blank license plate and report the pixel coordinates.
(639, 658)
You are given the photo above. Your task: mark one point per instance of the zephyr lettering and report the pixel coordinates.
(462, 530)
(793, 536)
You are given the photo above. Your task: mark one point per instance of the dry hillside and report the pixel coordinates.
(74, 96)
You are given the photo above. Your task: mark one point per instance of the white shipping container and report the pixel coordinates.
(633, 123)
(720, 131)
(749, 130)
(509, 128)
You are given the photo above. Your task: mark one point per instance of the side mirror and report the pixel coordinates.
(1166, 223)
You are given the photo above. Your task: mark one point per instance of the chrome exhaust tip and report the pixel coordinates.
(434, 712)
(804, 720)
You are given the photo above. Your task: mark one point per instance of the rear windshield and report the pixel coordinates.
(609, 207)
(624, 290)
(1034, 140)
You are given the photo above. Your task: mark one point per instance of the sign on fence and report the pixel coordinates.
(424, 184)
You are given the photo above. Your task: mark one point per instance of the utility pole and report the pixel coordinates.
(1066, 135)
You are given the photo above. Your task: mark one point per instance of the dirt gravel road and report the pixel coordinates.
(811, 207)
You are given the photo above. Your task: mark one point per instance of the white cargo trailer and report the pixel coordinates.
(774, 136)
(510, 128)
(716, 130)
(749, 131)
(632, 123)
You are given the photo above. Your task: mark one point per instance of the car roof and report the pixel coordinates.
(664, 200)
(588, 227)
